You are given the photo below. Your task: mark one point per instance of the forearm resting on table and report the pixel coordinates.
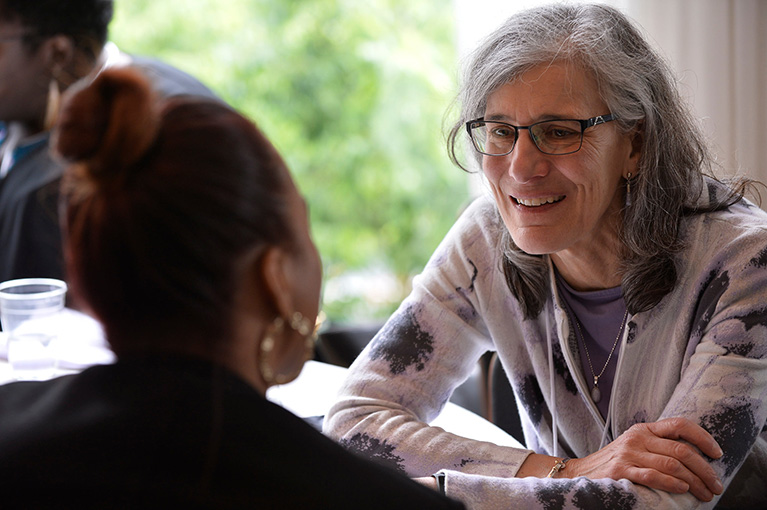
(655, 455)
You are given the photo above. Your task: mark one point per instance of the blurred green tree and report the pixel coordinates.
(353, 95)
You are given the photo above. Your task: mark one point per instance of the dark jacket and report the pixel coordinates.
(172, 432)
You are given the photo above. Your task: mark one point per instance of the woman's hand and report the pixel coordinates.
(656, 455)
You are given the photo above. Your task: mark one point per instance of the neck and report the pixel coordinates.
(592, 266)
(586, 275)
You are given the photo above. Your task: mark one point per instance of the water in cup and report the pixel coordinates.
(28, 312)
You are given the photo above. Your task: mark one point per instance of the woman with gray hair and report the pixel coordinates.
(621, 285)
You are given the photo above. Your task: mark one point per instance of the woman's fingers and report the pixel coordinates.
(674, 457)
(680, 460)
(669, 483)
(657, 480)
(669, 474)
(661, 455)
(682, 428)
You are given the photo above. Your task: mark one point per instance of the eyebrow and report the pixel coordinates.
(499, 117)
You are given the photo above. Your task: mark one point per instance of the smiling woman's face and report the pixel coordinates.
(556, 204)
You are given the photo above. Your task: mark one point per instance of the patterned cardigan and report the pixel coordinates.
(701, 353)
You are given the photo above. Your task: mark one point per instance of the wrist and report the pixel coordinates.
(557, 468)
(571, 468)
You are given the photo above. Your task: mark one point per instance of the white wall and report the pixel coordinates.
(720, 48)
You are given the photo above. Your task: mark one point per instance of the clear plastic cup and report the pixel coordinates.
(28, 311)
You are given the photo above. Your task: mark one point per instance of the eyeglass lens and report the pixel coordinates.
(551, 137)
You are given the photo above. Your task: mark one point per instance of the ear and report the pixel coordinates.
(274, 274)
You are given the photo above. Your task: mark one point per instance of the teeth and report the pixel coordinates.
(535, 202)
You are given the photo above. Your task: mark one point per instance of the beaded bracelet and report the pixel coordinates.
(559, 466)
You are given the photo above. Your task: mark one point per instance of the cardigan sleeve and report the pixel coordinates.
(723, 382)
(405, 376)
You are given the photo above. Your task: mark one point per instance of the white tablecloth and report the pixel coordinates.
(315, 390)
(79, 343)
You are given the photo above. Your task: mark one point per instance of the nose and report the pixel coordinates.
(526, 162)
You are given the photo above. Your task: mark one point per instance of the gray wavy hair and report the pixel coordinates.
(639, 87)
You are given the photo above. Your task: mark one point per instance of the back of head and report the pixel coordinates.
(86, 21)
(162, 200)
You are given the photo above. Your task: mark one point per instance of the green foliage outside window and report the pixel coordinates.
(353, 94)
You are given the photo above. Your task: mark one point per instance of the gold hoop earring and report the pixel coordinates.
(53, 104)
(628, 190)
(300, 325)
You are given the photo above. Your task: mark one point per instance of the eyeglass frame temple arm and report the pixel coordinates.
(595, 121)
(585, 124)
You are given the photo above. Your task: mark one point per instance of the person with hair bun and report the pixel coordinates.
(622, 287)
(45, 47)
(186, 237)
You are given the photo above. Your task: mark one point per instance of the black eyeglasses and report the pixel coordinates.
(555, 137)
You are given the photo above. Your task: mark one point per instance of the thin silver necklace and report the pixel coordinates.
(596, 395)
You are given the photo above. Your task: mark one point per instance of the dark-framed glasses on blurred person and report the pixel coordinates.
(555, 137)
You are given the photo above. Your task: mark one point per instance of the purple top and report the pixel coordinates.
(600, 314)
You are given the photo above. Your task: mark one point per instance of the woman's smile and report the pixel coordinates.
(537, 201)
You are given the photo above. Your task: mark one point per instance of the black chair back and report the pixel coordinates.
(503, 404)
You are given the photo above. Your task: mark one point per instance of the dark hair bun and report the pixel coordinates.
(107, 125)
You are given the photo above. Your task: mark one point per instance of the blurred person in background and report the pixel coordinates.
(45, 47)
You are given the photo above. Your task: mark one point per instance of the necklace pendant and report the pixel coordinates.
(596, 395)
